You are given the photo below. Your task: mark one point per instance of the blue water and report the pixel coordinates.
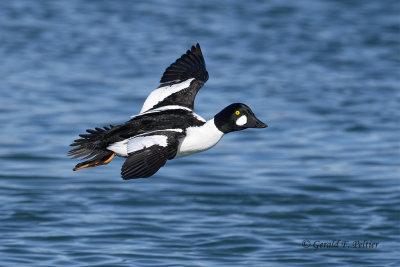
(324, 75)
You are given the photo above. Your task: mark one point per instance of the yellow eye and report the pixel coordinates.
(237, 112)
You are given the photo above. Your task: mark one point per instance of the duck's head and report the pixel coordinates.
(236, 117)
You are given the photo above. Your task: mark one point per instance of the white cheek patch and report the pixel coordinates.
(241, 121)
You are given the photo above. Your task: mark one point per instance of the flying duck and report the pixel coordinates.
(166, 127)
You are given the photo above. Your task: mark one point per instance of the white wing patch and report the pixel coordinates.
(241, 121)
(139, 143)
(170, 107)
(161, 93)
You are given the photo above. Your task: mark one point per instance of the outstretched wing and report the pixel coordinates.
(180, 82)
(149, 152)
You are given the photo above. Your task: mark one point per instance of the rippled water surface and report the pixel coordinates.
(324, 75)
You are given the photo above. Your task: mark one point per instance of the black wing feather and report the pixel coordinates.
(143, 164)
(146, 162)
(189, 65)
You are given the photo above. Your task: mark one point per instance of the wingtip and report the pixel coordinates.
(196, 47)
(189, 65)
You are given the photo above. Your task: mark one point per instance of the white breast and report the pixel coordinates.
(199, 139)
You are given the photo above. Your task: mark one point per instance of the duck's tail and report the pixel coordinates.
(91, 146)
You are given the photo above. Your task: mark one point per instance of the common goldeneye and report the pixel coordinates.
(166, 127)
